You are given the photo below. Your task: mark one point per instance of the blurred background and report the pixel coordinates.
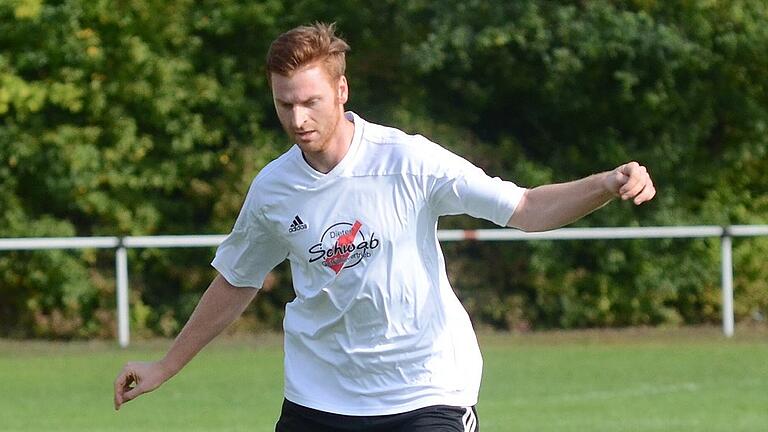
(147, 117)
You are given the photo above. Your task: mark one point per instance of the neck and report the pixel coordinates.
(338, 145)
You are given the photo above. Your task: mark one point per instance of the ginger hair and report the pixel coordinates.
(306, 45)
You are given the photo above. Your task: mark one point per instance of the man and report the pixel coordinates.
(376, 338)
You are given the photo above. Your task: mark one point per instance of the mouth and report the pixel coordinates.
(304, 135)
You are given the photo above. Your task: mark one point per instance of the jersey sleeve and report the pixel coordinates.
(459, 187)
(250, 251)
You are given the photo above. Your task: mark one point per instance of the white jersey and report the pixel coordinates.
(375, 327)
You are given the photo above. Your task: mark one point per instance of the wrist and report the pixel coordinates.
(168, 368)
(609, 182)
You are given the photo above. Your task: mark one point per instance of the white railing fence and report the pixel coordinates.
(121, 244)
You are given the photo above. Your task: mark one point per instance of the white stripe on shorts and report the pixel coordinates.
(469, 420)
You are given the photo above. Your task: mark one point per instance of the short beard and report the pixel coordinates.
(332, 130)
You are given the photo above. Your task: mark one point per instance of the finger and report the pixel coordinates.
(133, 393)
(646, 195)
(618, 180)
(120, 383)
(124, 382)
(634, 188)
(628, 167)
(638, 178)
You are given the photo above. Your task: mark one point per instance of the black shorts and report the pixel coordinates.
(438, 418)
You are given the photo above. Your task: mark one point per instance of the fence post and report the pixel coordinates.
(726, 251)
(123, 330)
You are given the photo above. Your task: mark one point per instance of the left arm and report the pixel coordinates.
(552, 206)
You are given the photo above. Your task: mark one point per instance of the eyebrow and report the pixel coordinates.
(280, 101)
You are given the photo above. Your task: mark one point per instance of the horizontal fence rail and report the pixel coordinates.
(585, 233)
(121, 244)
(59, 243)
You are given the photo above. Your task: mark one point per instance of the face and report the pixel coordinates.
(310, 106)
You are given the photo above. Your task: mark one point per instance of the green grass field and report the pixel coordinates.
(630, 380)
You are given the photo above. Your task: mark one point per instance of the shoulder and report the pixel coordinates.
(277, 169)
(274, 180)
(404, 152)
(388, 138)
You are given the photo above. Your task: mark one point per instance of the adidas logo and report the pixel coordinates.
(297, 225)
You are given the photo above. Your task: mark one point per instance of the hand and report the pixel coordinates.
(138, 378)
(631, 181)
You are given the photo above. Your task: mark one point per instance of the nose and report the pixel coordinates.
(298, 117)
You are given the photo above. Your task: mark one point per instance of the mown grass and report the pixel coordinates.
(630, 380)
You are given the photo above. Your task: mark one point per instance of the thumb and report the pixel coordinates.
(133, 393)
(627, 169)
(617, 179)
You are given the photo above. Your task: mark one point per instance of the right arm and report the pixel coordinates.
(220, 305)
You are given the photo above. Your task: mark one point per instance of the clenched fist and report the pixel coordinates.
(631, 181)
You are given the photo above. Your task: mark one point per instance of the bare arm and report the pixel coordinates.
(220, 305)
(552, 206)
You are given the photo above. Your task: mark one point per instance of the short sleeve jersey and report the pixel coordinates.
(375, 327)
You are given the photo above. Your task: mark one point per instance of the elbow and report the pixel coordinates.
(532, 215)
(533, 227)
(525, 224)
(531, 222)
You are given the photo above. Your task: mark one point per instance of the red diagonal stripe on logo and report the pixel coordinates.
(336, 261)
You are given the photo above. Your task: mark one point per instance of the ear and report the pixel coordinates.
(342, 90)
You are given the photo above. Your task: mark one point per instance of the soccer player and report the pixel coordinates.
(375, 339)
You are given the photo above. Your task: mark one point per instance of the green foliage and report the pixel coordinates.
(581, 87)
(121, 118)
(149, 117)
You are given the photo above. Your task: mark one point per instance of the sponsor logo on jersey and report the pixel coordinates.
(297, 225)
(343, 245)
